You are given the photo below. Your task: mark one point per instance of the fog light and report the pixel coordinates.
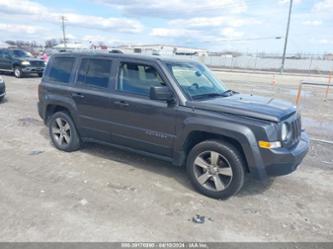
(269, 145)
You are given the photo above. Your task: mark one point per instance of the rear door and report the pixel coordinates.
(7, 63)
(3, 60)
(92, 97)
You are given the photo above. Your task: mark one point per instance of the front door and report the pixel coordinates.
(140, 122)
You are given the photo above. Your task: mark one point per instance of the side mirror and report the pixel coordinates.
(162, 93)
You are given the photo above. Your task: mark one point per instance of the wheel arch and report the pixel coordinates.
(52, 108)
(196, 137)
(240, 136)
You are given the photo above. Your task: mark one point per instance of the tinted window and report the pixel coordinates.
(95, 72)
(137, 78)
(21, 53)
(61, 68)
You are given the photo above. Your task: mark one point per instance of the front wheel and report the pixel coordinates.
(40, 74)
(18, 72)
(63, 132)
(216, 169)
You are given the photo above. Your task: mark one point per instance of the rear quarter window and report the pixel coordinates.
(61, 69)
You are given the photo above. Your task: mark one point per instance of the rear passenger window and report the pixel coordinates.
(61, 69)
(94, 72)
(138, 78)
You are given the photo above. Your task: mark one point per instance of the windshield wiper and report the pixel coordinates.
(229, 93)
(212, 95)
(208, 95)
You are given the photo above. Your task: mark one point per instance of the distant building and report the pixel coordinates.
(328, 57)
(3, 45)
(162, 49)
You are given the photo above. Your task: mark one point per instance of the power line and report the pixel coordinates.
(254, 38)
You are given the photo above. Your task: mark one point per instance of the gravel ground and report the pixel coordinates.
(103, 194)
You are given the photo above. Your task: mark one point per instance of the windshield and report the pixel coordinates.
(196, 80)
(21, 53)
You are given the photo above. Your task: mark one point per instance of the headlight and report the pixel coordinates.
(284, 131)
(25, 63)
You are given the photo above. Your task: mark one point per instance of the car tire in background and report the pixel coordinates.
(63, 132)
(40, 74)
(216, 169)
(17, 72)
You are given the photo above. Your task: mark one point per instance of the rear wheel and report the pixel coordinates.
(216, 169)
(63, 132)
(18, 72)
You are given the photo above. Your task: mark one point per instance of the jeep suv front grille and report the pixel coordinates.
(296, 129)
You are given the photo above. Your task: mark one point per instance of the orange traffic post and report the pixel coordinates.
(328, 85)
(298, 95)
(274, 80)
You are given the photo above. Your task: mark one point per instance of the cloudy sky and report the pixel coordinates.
(244, 25)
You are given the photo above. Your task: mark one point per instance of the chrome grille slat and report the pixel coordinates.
(36, 63)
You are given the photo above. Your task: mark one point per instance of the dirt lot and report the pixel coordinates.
(104, 194)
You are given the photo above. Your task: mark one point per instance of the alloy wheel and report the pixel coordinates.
(61, 131)
(17, 73)
(212, 171)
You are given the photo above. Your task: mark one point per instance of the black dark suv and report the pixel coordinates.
(173, 110)
(20, 62)
(2, 89)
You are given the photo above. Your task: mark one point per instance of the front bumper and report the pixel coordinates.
(30, 69)
(283, 161)
(2, 90)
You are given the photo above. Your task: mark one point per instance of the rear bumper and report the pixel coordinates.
(40, 110)
(283, 161)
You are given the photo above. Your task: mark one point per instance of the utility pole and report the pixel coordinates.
(63, 19)
(286, 37)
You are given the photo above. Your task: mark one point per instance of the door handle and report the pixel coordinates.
(121, 103)
(77, 95)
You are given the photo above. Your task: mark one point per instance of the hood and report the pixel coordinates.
(247, 105)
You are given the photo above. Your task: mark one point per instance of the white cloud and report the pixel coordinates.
(324, 6)
(230, 33)
(282, 2)
(312, 22)
(20, 28)
(37, 11)
(173, 8)
(200, 22)
(166, 32)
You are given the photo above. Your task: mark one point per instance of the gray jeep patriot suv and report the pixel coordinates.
(174, 110)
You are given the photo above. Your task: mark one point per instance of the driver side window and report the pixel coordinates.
(138, 78)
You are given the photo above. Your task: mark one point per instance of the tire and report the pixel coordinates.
(1, 98)
(216, 169)
(17, 72)
(40, 74)
(63, 132)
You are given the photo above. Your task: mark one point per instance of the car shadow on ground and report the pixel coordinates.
(251, 186)
(10, 74)
(134, 160)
